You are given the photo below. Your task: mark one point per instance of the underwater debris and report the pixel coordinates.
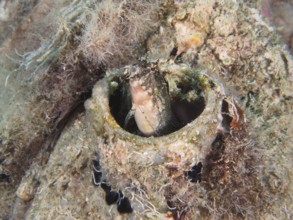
(130, 161)
(185, 84)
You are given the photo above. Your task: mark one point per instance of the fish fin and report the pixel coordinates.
(128, 117)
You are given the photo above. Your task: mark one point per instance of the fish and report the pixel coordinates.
(151, 103)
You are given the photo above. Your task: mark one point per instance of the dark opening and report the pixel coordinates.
(120, 105)
(194, 174)
(184, 111)
(227, 119)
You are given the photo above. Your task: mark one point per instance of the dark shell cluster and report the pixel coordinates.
(112, 197)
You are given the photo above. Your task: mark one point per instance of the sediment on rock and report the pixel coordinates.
(229, 161)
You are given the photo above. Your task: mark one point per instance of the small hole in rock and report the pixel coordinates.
(174, 52)
(185, 106)
(106, 187)
(227, 119)
(96, 177)
(194, 174)
(112, 197)
(124, 206)
(4, 177)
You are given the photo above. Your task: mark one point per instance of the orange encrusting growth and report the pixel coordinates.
(194, 40)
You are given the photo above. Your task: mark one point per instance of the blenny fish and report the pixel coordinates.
(151, 105)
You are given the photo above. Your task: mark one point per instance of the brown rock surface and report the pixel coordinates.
(243, 143)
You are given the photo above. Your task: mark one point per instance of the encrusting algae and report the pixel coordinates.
(189, 117)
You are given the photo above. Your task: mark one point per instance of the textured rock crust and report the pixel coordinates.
(232, 161)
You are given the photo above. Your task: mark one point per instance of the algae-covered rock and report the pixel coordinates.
(222, 149)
